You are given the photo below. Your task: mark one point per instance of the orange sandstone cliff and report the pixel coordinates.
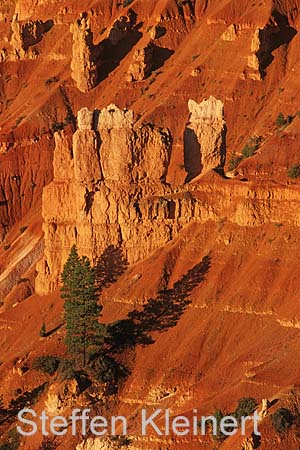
(149, 134)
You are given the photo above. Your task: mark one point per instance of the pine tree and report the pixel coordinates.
(83, 330)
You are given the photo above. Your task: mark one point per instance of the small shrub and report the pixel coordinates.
(43, 330)
(294, 171)
(282, 122)
(67, 369)
(17, 392)
(57, 126)
(12, 441)
(107, 370)
(246, 407)
(282, 419)
(22, 229)
(251, 146)
(6, 247)
(278, 224)
(234, 161)
(51, 81)
(219, 436)
(46, 364)
(126, 3)
(48, 444)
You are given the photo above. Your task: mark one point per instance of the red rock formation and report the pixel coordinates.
(95, 211)
(205, 137)
(84, 71)
(142, 63)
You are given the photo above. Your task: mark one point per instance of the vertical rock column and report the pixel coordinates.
(142, 63)
(17, 38)
(117, 143)
(86, 150)
(205, 137)
(84, 70)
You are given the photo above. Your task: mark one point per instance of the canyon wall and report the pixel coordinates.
(109, 189)
(108, 183)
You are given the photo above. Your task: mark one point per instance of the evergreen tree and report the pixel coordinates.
(83, 331)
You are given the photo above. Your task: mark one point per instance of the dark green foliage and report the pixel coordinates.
(251, 146)
(294, 171)
(12, 441)
(219, 436)
(126, 3)
(84, 332)
(67, 369)
(43, 330)
(282, 419)
(249, 150)
(25, 400)
(46, 364)
(282, 122)
(107, 370)
(234, 161)
(246, 407)
(48, 444)
(57, 126)
(51, 80)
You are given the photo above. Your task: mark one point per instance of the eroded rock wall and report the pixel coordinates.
(110, 170)
(109, 189)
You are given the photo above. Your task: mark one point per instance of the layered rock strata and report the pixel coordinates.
(98, 197)
(109, 189)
